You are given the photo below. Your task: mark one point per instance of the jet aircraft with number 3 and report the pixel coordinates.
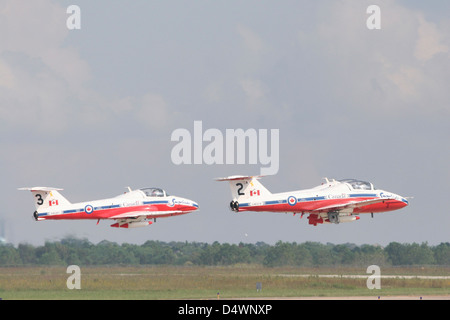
(334, 201)
(132, 209)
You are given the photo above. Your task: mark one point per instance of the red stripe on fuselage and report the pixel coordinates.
(108, 213)
(387, 205)
(308, 206)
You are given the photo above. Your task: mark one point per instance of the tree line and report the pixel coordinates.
(70, 251)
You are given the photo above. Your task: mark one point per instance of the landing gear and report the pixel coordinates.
(35, 215)
(234, 206)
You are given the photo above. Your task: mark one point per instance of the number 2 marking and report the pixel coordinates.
(39, 199)
(240, 188)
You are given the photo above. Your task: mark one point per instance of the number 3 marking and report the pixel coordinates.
(40, 200)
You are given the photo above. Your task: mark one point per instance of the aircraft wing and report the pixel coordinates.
(137, 214)
(350, 205)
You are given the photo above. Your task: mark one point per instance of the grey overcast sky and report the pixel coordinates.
(92, 111)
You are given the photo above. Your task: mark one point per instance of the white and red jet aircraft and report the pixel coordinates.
(130, 210)
(331, 202)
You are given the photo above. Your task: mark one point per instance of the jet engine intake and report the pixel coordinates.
(333, 217)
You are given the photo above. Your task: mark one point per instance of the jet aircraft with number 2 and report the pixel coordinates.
(132, 209)
(334, 201)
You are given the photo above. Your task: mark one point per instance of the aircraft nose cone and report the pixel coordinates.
(195, 204)
(405, 202)
(190, 204)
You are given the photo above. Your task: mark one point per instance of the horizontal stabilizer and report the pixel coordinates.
(40, 189)
(237, 177)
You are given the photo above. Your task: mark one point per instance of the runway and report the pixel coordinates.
(358, 276)
(371, 297)
(425, 297)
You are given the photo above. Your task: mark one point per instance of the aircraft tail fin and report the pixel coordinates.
(245, 187)
(46, 197)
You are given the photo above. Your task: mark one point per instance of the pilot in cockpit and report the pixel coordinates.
(153, 192)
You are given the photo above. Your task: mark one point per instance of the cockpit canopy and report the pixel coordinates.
(154, 192)
(358, 184)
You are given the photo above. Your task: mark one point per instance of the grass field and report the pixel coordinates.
(169, 282)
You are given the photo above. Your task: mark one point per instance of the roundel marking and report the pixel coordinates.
(292, 200)
(89, 209)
